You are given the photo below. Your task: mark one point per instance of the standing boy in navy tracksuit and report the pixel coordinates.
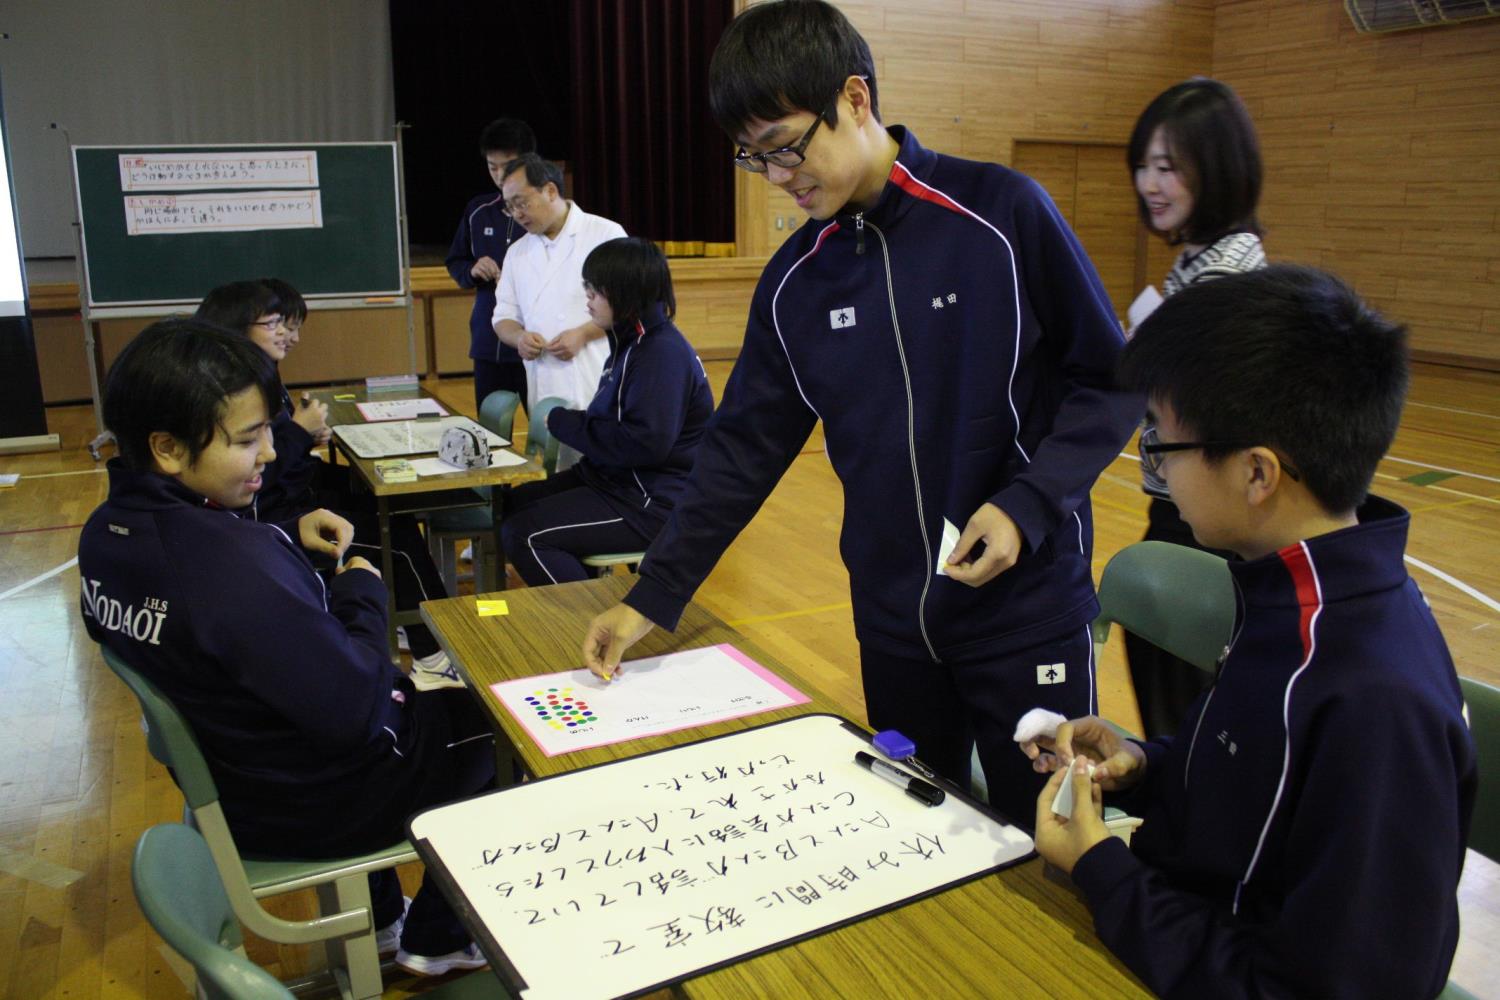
(943, 322)
(484, 233)
(1304, 832)
(319, 746)
(638, 435)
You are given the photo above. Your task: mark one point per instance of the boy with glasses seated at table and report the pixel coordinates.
(320, 748)
(297, 481)
(1304, 831)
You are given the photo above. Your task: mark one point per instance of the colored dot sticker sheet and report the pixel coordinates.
(574, 710)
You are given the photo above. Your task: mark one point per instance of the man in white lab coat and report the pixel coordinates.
(539, 303)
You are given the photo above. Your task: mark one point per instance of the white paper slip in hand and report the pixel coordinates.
(1062, 802)
(946, 546)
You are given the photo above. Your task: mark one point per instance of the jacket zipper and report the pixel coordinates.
(1239, 601)
(859, 233)
(911, 432)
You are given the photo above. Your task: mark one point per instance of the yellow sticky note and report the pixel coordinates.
(344, 396)
(488, 609)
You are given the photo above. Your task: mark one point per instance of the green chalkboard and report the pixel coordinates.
(323, 216)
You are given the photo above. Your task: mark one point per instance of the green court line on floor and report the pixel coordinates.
(1428, 478)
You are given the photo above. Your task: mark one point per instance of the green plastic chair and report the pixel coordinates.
(1178, 598)
(344, 924)
(445, 528)
(1484, 723)
(1483, 702)
(542, 445)
(179, 891)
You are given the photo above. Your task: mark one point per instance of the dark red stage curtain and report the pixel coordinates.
(645, 151)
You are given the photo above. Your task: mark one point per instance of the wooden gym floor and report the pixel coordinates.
(77, 786)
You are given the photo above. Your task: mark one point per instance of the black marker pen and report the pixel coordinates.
(928, 795)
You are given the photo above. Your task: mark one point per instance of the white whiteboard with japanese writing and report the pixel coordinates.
(631, 875)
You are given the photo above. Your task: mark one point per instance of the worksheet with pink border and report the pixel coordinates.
(574, 710)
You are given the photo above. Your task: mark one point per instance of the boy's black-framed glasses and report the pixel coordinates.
(1153, 449)
(786, 157)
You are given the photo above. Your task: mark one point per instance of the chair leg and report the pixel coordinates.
(447, 564)
(355, 961)
(484, 564)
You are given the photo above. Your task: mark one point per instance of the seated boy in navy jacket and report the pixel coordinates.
(319, 746)
(1304, 833)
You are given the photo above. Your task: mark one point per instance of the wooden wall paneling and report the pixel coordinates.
(1106, 222)
(971, 77)
(1095, 195)
(60, 356)
(1382, 160)
(450, 319)
(337, 344)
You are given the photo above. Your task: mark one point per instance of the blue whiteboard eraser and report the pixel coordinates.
(894, 745)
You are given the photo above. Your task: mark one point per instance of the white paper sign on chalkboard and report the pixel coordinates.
(627, 876)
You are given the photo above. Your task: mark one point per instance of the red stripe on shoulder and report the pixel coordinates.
(1297, 563)
(827, 232)
(903, 179)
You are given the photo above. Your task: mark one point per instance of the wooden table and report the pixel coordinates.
(428, 493)
(1018, 933)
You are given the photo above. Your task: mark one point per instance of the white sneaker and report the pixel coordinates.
(428, 673)
(467, 555)
(388, 938)
(441, 965)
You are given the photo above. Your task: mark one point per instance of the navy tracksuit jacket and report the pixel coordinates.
(484, 231)
(1304, 832)
(314, 738)
(959, 348)
(642, 428)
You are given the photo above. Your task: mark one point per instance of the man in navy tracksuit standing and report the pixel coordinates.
(942, 321)
(484, 233)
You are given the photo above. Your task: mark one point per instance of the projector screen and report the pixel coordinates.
(12, 287)
(21, 412)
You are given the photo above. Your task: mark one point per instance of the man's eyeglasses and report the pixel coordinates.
(787, 157)
(1153, 449)
(519, 203)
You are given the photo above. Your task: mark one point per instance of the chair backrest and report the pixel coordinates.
(1178, 598)
(178, 889)
(169, 737)
(539, 441)
(498, 412)
(1484, 722)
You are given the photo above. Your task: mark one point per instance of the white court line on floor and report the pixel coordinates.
(1439, 489)
(40, 579)
(1454, 581)
(53, 475)
(1440, 468)
(1454, 409)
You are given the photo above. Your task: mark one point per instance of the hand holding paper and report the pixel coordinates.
(1002, 547)
(1062, 840)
